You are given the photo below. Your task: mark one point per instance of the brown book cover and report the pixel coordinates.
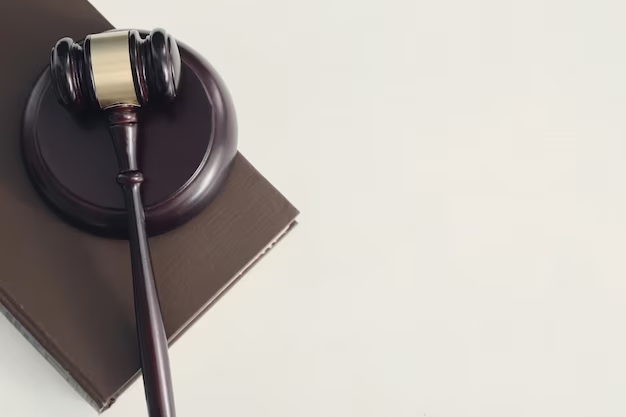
(70, 293)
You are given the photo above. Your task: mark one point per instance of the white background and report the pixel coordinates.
(460, 168)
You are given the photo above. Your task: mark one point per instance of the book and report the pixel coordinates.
(69, 292)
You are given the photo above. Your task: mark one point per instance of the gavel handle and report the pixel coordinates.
(150, 330)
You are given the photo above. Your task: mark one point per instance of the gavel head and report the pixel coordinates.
(116, 68)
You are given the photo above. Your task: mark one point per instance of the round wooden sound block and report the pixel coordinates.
(185, 152)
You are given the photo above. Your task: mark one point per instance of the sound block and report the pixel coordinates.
(185, 153)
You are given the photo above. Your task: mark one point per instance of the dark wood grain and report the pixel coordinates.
(155, 62)
(155, 65)
(156, 68)
(186, 151)
(75, 296)
(155, 363)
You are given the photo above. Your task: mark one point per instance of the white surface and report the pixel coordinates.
(460, 168)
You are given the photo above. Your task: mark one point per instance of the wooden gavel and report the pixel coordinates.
(118, 72)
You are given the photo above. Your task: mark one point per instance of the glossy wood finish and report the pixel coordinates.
(68, 77)
(185, 150)
(75, 296)
(155, 66)
(116, 81)
(150, 330)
